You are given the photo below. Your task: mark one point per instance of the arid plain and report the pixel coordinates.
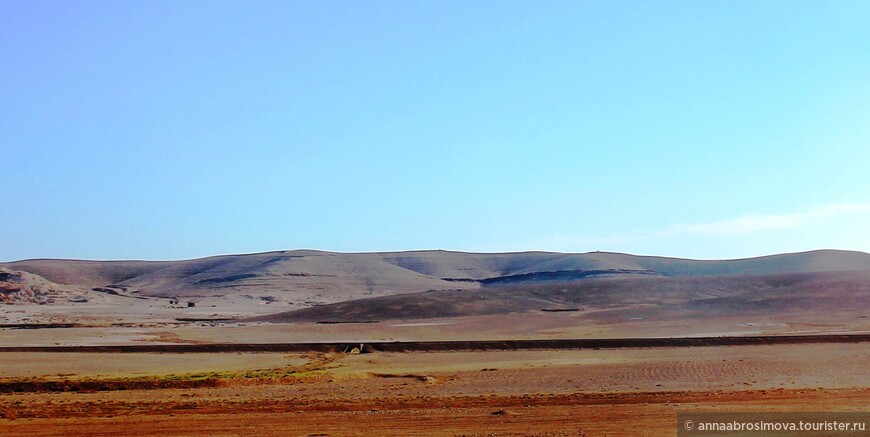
(427, 343)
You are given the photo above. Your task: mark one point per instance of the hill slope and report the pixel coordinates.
(315, 277)
(618, 299)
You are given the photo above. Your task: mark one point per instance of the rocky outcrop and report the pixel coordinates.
(17, 287)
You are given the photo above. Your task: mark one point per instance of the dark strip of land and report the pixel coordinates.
(39, 325)
(432, 346)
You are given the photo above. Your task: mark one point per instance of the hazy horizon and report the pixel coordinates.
(649, 255)
(164, 130)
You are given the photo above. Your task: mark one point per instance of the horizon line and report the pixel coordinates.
(428, 250)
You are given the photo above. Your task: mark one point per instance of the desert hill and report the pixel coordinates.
(310, 277)
(615, 300)
(480, 266)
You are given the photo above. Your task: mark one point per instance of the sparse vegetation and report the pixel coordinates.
(316, 369)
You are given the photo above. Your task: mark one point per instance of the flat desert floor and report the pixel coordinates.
(628, 391)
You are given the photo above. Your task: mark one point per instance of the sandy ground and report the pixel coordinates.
(636, 414)
(138, 312)
(617, 392)
(583, 392)
(507, 326)
(76, 365)
(503, 372)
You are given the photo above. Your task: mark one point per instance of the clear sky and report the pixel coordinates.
(170, 130)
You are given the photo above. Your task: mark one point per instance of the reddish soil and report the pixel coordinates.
(618, 392)
(241, 411)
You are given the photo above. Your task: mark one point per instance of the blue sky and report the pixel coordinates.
(170, 130)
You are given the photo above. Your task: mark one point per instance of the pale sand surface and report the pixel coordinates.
(78, 365)
(616, 392)
(493, 327)
(505, 372)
